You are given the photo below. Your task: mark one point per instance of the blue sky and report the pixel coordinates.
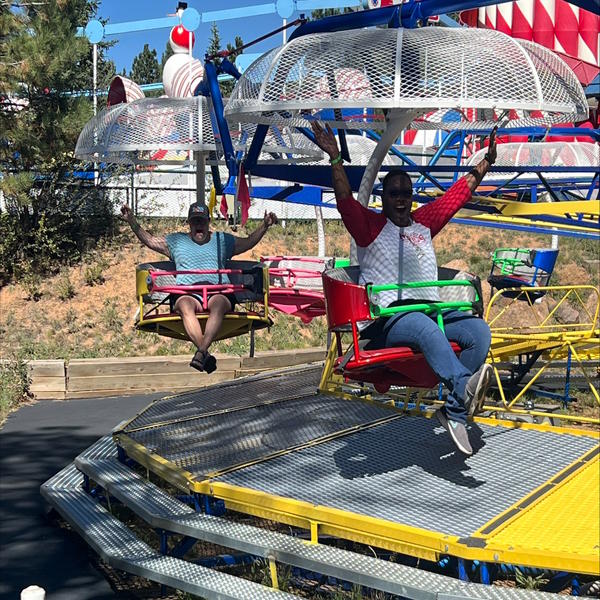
(130, 44)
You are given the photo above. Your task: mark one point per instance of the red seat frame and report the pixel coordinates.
(347, 304)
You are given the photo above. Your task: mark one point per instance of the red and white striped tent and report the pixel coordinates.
(572, 32)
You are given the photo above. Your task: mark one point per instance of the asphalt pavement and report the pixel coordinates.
(35, 443)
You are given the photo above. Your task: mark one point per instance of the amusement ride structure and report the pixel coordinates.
(346, 457)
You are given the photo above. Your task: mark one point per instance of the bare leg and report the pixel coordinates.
(187, 307)
(217, 307)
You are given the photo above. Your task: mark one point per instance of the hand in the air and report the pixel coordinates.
(491, 151)
(269, 219)
(127, 213)
(325, 139)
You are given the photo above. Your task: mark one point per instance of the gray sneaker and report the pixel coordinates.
(457, 431)
(476, 388)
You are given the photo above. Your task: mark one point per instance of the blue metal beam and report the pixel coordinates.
(238, 13)
(405, 15)
(319, 175)
(215, 93)
(255, 147)
(295, 194)
(592, 5)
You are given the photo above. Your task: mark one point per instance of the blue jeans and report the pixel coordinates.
(421, 333)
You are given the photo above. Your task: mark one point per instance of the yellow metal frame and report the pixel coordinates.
(332, 383)
(555, 340)
(533, 214)
(234, 324)
(488, 544)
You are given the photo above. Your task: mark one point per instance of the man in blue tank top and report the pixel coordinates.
(203, 250)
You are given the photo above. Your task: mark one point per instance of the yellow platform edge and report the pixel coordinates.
(508, 542)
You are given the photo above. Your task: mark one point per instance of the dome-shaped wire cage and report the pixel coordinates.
(363, 74)
(133, 133)
(163, 131)
(282, 145)
(542, 154)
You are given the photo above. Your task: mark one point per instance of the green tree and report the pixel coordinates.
(227, 86)
(214, 43)
(168, 52)
(214, 46)
(238, 42)
(145, 68)
(46, 216)
(320, 13)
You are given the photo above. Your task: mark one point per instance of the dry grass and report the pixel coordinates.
(88, 310)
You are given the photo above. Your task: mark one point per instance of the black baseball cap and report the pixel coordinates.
(197, 210)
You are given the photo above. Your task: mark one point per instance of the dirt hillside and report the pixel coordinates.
(98, 319)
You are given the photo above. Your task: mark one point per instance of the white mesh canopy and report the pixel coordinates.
(542, 154)
(162, 131)
(133, 132)
(369, 71)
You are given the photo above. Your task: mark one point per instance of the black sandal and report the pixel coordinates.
(204, 361)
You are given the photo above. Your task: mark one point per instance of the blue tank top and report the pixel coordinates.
(188, 255)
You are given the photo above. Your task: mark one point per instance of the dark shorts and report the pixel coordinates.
(173, 299)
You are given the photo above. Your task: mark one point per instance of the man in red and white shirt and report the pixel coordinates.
(395, 246)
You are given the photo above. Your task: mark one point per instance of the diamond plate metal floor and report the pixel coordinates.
(411, 474)
(276, 448)
(120, 548)
(160, 510)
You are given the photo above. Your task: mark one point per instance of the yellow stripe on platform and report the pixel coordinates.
(566, 521)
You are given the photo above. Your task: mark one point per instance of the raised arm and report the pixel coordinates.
(243, 244)
(476, 174)
(435, 215)
(363, 224)
(158, 244)
(325, 139)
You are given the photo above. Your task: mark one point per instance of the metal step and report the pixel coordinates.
(121, 549)
(163, 511)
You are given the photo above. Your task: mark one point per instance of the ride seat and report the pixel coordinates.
(141, 272)
(348, 309)
(300, 265)
(156, 315)
(522, 267)
(252, 278)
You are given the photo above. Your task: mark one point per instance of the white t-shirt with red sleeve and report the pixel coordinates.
(391, 254)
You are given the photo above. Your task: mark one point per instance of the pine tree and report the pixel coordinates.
(145, 68)
(214, 44)
(43, 63)
(238, 42)
(321, 13)
(165, 56)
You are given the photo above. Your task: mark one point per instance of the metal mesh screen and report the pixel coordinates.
(134, 132)
(163, 131)
(543, 154)
(416, 70)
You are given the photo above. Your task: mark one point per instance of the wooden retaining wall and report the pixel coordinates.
(87, 378)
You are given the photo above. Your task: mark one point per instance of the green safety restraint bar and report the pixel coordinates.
(424, 307)
(507, 264)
